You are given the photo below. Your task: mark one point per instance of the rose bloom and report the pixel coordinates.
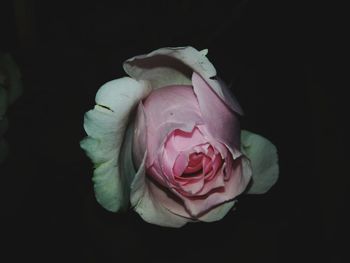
(167, 140)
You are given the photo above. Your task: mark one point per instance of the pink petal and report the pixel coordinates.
(167, 109)
(154, 204)
(215, 166)
(173, 157)
(238, 181)
(167, 200)
(194, 163)
(192, 188)
(180, 163)
(221, 122)
(184, 141)
(222, 149)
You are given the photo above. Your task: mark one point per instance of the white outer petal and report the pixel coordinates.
(106, 125)
(218, 212)
(174, 66)
(264, 161)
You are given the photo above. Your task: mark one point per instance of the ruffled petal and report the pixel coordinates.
(264, 160)
(174, 156)
(238, 181)
(119, 94)
(174, 66)
(106, 125)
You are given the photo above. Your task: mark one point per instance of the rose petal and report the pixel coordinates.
(238, 181)
(165, 163)
(194, 162)
(217, 213)
(121, 95)
(167, 109)
(226, 128)
(216, 182)
(174, 66)
(173, 158)
(264, 160)
(184, 141)
(193, 187)
(176, 150)
(218, 146)
(153, 204)
(127, 168)
(140, 135)
(105, 126)
(180, 163)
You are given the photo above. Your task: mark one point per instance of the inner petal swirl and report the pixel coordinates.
(191, 162)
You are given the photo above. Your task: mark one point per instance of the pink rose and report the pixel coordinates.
(168, 139)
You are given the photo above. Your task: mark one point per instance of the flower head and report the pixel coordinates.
(168, 139)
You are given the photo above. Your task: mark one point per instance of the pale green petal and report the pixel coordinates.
(218, 212)
(126, 157)
(174, 66)
(264, 161)
(106, 125)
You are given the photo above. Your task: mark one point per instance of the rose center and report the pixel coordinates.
(194, 164)
(202, 164)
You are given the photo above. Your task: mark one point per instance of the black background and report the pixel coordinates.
(272, 56)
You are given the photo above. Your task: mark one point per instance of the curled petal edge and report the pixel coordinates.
(105, 126)
(174, 66)
(144, 202)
